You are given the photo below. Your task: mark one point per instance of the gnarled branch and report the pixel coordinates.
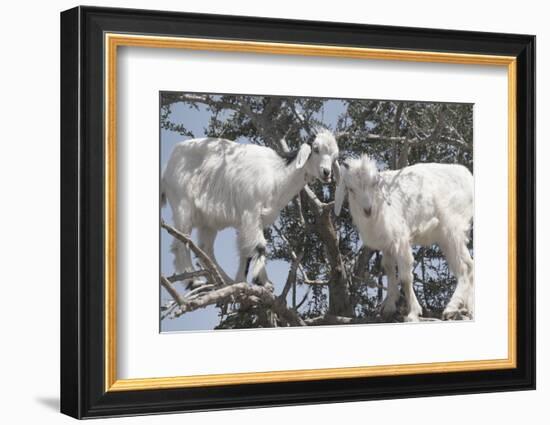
(237, 292)
(204, 259)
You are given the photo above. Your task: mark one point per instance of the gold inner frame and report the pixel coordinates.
(113, 41)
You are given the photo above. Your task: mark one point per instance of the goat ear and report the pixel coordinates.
(339, 195)
(336, 171)
(303, 155)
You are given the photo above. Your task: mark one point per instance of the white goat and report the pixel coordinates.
(422, 204)
(212, 184)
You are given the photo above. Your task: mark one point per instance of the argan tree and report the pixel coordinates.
(344, 280)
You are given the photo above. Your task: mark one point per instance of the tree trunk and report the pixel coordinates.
(339, 294)
(395, 132)
(380, 294)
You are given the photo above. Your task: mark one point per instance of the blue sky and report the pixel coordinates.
(225, 245)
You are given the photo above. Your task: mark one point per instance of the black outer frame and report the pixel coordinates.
(82, 206)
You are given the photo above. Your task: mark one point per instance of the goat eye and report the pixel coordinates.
(315, 149)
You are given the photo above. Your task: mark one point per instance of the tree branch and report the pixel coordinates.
(291, 279)
(237, 292)
(201, 255)
(295, 257)
(318, 282)
(395, 132)
(188, 275)
(304, 299)
(166, 284)
(314, 202)
(339, 294)
(330, 320)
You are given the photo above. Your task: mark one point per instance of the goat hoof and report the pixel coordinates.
(266, 284)
(412, 318)
(466, 314)
(388, 311)
(193, 284)
(453, 315)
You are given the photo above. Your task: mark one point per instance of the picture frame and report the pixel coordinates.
(90, 39)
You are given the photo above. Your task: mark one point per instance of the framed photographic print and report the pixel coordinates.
(261, 212)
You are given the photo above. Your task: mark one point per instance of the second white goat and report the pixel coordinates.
(212, 184)
(422, 204)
